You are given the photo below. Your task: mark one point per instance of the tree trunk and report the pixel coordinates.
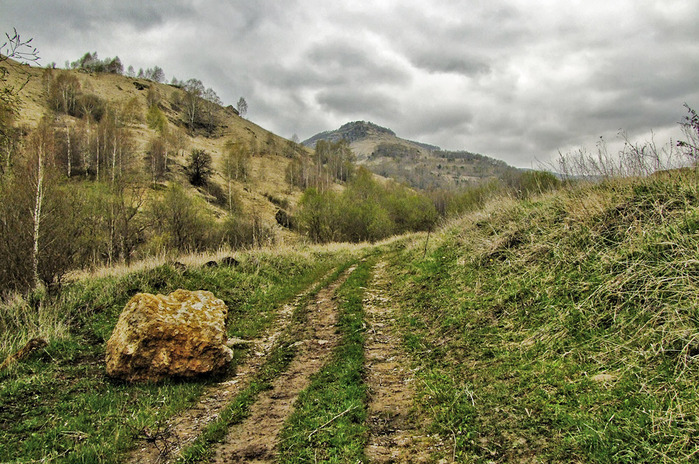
(70, 155)
(38, 203)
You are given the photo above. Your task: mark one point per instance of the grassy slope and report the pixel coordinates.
(267, 176)
(59, 405)
(564, 329)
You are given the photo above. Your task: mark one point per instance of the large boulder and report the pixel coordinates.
(157, 336)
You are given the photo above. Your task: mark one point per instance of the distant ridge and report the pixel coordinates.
(418, 164)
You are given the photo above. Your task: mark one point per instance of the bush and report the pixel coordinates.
(365, 211)
(182, 222)
(199, 168)
(239, 232)
(156, 119)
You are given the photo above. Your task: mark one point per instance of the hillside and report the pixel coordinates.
(560, 328)
(270, 154)
(418, 164)
(115, 169)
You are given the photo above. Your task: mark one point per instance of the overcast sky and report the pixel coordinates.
(518, 80)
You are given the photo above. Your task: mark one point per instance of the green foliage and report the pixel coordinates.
(364, 211)
(183, 222)
(156, 120)
(317, 214)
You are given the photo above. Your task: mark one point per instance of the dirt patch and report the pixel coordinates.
(165, 445)
(255, 440)
(394, 433)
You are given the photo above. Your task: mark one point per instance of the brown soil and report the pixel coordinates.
(255, 440)
(164, 445)
(395, 435)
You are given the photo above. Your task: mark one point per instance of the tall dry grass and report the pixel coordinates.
(633, 159)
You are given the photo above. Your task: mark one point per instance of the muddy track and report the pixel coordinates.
(255, 440)
(394, 435)
(165, 445)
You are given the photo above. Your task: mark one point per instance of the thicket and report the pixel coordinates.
(366, 210)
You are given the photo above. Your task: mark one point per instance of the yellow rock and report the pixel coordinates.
(157, 336)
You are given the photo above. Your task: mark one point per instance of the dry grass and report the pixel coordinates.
(22, 319)
(268, 167)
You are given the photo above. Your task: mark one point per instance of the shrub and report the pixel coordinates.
(199, 168)
(156, 119)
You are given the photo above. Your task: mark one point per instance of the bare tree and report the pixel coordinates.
(13, 49)
(242, 107)
(194, 90)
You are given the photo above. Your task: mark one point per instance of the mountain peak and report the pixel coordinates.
(352, 131)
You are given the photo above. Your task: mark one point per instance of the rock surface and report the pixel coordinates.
(157, 336)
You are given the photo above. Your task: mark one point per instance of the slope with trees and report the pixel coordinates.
(419, 165)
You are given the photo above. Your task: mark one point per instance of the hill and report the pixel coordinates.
(119, 156)
(270, 154)
(418, 164)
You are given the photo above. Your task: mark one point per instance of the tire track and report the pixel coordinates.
(394, 435)
(255, 440)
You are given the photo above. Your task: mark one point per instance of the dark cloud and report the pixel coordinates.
(517, 80)
(451, 63)
(353, 64)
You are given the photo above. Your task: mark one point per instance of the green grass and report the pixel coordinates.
(329, 420)
(59, 405)
(562, 329)
(281, 356)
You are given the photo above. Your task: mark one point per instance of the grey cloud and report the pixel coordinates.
(86, 14)
(353, 63)
(358, 102)
(512, 79)
(451, 63)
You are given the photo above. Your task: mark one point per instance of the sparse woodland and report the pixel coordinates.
(115, 181)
